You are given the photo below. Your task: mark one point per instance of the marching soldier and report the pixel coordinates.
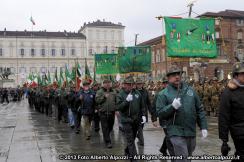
(71, 97)
(86, 103)
(132, 109)
(62, 104)
(46, 98)
(106, 100)
(162, 122)
(214, 91)
(31, 97)
(41, 93)
(179, 104)
(96, 118)
(231, 113)
(147, 103)
(206, 97)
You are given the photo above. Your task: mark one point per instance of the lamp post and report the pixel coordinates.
(165, 53)
(17, 59)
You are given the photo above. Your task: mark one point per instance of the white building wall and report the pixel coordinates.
(100, 37)
(21, 66)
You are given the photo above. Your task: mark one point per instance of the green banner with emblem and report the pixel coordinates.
(190, 37)
(106, 64)
(134, 59)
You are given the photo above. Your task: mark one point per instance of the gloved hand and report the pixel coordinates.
(143, 119)
(204, 133)
(225, 149)
(129, 97)
(176, 103)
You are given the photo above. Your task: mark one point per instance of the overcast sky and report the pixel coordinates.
(137, 15)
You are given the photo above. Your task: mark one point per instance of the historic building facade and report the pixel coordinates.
(25, 52)
(103, 37)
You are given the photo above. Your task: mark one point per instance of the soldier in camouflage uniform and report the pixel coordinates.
(214, 91)
(199, 89)
(206, 97)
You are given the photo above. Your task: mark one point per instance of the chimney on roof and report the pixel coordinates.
(103, 20)
(119, 23)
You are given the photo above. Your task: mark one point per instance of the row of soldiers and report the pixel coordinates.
(210, 92)
(99, 103)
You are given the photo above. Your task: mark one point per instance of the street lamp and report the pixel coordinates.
(162, 41)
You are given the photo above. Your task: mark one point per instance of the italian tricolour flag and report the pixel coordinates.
(32, 20)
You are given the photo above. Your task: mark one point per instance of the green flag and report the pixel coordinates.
(78, 70)
(68, 76)
(55, 77)
(30, 78)
(61, 77)
(35, 79)
(134, 59)
(190, 37)
(49, 78)
(39, 80)
(106, 64)
(44, 80)
(87, 71)
(73, 73)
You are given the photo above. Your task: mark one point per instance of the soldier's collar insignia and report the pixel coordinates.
(136, 95)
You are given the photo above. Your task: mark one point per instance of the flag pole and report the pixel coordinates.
(31, 19)
(85, 69)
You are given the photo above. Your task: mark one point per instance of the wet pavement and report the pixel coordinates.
(28, 136)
